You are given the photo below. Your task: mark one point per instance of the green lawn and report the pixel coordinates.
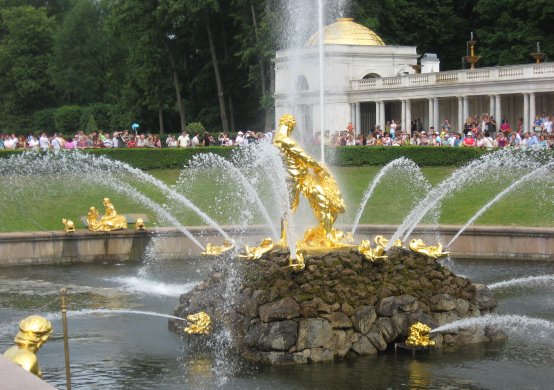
(40, 203)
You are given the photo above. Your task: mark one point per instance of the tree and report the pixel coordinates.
(509, 30)
(84, 55)
(147, 32)
(26, 40)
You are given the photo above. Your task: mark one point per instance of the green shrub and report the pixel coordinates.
(91, 125)
(102, 113)
(43, 120)
(68, 118)
(423, 156)
(195, 128)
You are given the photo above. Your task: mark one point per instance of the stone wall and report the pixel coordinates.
(341, 305)
(128, 245)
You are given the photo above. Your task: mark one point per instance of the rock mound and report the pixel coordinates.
(340, 305)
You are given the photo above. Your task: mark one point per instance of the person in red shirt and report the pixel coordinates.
(469, 140)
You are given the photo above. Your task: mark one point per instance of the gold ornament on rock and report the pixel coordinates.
(215, 250)
(199, 323)
(418, 336)
(434, 252)
(256, 252)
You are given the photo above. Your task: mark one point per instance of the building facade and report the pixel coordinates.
(368, 83)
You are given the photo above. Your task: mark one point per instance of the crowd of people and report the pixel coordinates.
(479, 131)
(126, 139)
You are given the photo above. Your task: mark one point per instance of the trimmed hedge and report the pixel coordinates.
(152, 158)
(355, 156)
(348, 156)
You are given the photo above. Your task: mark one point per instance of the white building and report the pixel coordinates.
(368, 83)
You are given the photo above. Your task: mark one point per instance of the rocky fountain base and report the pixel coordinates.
(341, 305)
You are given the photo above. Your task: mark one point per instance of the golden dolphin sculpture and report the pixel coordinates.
(435, 252)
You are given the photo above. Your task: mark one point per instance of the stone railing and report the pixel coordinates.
(465, 76)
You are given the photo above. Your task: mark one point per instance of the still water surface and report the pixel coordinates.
(138, 352)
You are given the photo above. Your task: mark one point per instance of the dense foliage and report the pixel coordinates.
(164, 64)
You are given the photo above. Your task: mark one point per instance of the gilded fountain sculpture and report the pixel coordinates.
(107, 222)
(315, 182)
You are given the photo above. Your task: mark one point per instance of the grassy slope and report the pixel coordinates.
(391, 202)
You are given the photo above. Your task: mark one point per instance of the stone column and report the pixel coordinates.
(532, 108)
(436, 120)
(498, 110)
(492, 106)
(525, 112)
(460, 114)
(431, 115)
(403, 116)
(382, 114)
(358, 117)
(466, 107)
(378, 114)
(408, 125)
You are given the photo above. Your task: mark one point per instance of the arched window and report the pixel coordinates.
(371, 76)
(302, 84)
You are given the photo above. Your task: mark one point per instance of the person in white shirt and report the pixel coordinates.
(57, 143)
(194, 142)
(240, 140)
(43, 142)
(183, 140)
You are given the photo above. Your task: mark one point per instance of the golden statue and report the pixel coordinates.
(316, 183)
(69, 226)
(199, 323)
(111, 220)
(435, 252)
(255, 252)
(378, 252)
(108, 222)
(139, 224)
(214, 250)
(33, 332)
(370, 253)
(297, 264)
(418, 336)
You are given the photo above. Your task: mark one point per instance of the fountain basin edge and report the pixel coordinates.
(478, 242)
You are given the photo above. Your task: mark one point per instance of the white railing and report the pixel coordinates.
(464, 76)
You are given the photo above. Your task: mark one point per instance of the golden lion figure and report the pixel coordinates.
(315, 182)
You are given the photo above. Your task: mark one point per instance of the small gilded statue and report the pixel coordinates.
(297, 263)
(315, 182)
(370, 253)
(256, 252)
(434, 252)
(33, 332)
(379, 251)
(199, 323)
(139, 224)
(215, 250)
(69, 226)
(418, 336)
(108, 222)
